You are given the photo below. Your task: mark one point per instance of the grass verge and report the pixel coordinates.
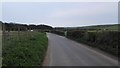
(25, 49)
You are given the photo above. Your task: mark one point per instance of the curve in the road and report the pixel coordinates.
(65, 52)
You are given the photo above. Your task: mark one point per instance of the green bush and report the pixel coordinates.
(58, 32)
(108, 41)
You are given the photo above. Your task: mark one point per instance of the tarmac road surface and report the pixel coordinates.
(65, 52)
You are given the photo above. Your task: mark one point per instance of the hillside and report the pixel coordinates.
(112, 27)
(102, 27)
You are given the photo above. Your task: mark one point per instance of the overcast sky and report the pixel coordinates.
(61, 13)
(59, 0)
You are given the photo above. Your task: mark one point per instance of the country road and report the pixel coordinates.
(65, 52)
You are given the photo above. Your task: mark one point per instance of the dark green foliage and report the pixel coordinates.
(58, 32)
(76, 35)
(108, 41)
(24, 27)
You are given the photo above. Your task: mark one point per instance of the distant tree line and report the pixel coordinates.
(23, 27)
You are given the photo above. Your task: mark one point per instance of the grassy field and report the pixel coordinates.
(24, 48)
(112, 27)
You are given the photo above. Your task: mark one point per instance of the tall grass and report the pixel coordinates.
(24, 49)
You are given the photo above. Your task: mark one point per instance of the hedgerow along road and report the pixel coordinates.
(65, 52)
